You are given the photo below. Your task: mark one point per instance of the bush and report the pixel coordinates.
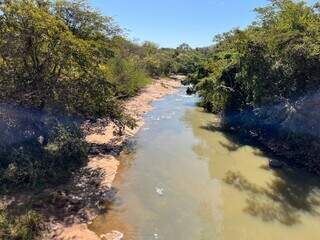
(261, 79)
(126, 76)
(276, 58)
(37, 148)
(23, 227)
(52, 75)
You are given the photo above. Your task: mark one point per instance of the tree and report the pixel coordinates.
(264, 80)
(184, 47)
(52, 62)
(53, 74)
(275, 58)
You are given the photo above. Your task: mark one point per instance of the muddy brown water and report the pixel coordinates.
(214, 186)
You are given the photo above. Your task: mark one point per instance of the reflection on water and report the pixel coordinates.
(215, 185)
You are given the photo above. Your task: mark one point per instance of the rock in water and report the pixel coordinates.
(159, 191)
(114, 235)
(273, 163)
(41, 140)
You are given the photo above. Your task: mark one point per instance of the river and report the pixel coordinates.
(184, 180)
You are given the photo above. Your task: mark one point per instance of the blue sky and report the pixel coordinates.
(171, 22)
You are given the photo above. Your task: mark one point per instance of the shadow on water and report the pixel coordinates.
(291, 193)
(282, 200)
(236, 141)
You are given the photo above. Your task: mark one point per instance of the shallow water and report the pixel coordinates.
(215, 186)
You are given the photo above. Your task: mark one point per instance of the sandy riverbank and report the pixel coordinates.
(107, 164)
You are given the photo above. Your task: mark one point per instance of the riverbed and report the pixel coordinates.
(183, 179)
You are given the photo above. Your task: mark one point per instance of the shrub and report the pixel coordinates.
(24, 227)
(37, 148)
(126, 76)
(51, 78)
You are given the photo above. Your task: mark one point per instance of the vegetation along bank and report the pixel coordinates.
(63, 67)
(264, 80)
(68, 74)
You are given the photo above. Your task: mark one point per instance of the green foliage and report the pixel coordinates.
(37, 148)
(275, 58)
(52, 62)
(156, 61)
(60, 63)
(23, 227)
(126, 76)
(263, 78)
(188, 60)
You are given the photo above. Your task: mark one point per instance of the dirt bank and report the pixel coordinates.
(92, 187)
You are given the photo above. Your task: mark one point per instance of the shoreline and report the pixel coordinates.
(107, 164)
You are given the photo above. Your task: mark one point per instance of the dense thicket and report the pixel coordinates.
(23, 227)
(275, 58)
(53, 57)
(62, 62)
(257, 77)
